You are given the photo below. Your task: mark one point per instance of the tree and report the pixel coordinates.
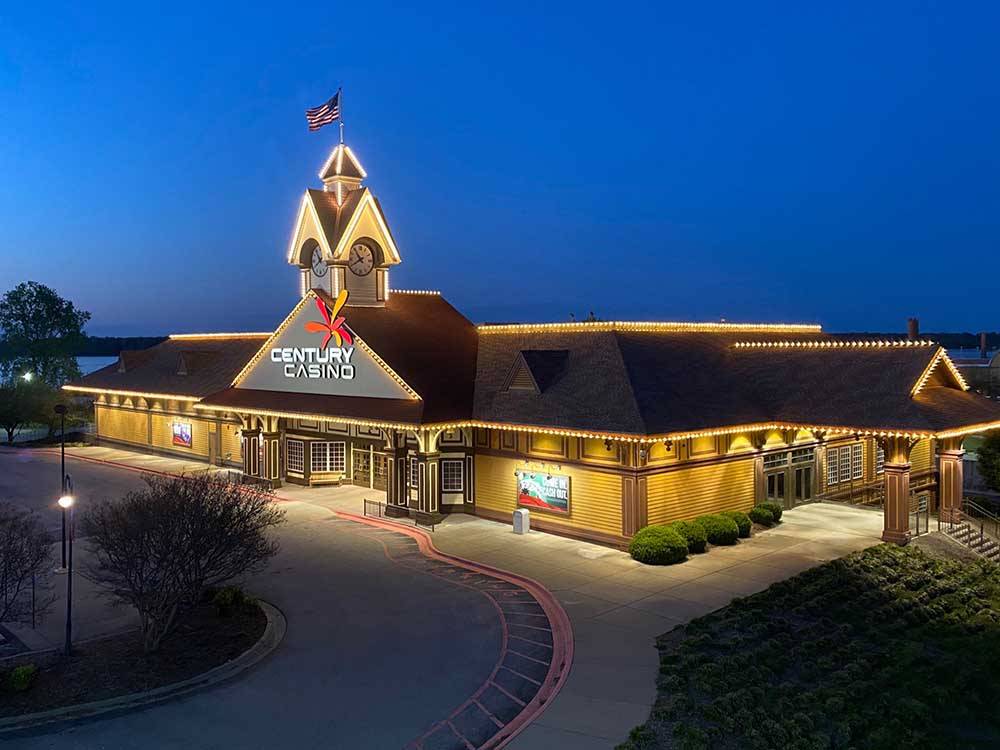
(161, 547)
(41, 333)
(25, 558)
(23, 403)
(988, 462)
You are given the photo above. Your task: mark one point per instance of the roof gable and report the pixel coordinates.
(315, 351)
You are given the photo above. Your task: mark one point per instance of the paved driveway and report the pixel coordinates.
(376, 653)
(355, 623)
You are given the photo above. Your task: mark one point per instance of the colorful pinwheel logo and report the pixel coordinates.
(333, 324)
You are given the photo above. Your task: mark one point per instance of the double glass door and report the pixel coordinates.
(789, 477)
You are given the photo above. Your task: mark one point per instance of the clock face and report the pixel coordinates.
(318, 266)
(362, 259)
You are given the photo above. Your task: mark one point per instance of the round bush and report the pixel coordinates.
(693, 533)
(719, 529)
(760, 514)
(775, 508)
(743, 522)
(658, 545)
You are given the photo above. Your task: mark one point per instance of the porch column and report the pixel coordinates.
(251, 451)
(428, 482)
(271, 468)
(396, 491)
(950, 480)
(896, 509)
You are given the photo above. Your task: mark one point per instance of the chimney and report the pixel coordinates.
(982, 345)
(913, 329)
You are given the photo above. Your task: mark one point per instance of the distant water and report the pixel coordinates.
(92, 364)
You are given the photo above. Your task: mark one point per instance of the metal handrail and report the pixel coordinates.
(973, 514)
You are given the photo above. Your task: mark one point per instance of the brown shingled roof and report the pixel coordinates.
(215, 364)
(333, 218)
(428, 343)
(662, 382)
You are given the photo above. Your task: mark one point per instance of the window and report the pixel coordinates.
(412, 472)
(775, 460)
(294, 456)
(845, 464)
(452, 475)
(327, 457)
(803, 455)
(857, 461)
(880, 460)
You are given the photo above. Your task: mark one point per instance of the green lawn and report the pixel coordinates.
(886, 648)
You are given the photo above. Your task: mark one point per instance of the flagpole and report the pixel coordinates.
(340, 91)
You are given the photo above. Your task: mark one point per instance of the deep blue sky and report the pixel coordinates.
(838, 163)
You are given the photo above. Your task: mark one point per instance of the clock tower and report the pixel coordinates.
(341, 239)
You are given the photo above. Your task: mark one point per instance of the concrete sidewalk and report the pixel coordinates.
(617, 606)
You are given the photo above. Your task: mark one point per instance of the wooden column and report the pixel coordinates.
(428, 482)
(396, 490)
(251, 452)
(896, 509)
(271, 466)
(950, 480)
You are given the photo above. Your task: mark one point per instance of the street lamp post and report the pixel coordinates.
(60, 409)
(66, 502)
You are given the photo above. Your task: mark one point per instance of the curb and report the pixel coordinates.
(274, 634)
(562, 630)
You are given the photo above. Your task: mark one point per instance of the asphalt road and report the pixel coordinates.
(375, 654)
(32, 480)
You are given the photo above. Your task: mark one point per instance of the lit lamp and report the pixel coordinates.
(66, 502)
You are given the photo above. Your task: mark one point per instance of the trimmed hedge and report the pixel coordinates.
(775, 508)
(693, 533)
(719, 529)
(743, 522)
(658, 545)
(760, 514)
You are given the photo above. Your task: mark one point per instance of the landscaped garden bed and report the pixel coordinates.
(209, 635)
(886, 648)
(668, 544)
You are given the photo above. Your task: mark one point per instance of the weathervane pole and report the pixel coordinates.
(341, 92)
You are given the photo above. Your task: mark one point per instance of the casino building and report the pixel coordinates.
(600, 427)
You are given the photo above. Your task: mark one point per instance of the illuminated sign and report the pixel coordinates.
(543, 491)
(182, 434)
(322, 361)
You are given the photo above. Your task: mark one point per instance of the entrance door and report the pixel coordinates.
(803, 484)
(381, 479)
(776, 487)
(362, 467)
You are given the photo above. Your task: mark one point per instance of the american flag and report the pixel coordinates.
(325, 113)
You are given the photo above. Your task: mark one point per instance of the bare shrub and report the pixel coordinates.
(158, 549)
(25, 553)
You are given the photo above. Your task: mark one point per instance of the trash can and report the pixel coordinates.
(522, 521)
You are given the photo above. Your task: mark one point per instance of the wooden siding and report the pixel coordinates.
(693, 491)
(595, 496)
(163, 434)
(230, 440)
(121, 424)
(921, 456)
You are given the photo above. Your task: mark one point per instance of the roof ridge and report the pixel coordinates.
(651, 326)
(233, 335)
(835, 344)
